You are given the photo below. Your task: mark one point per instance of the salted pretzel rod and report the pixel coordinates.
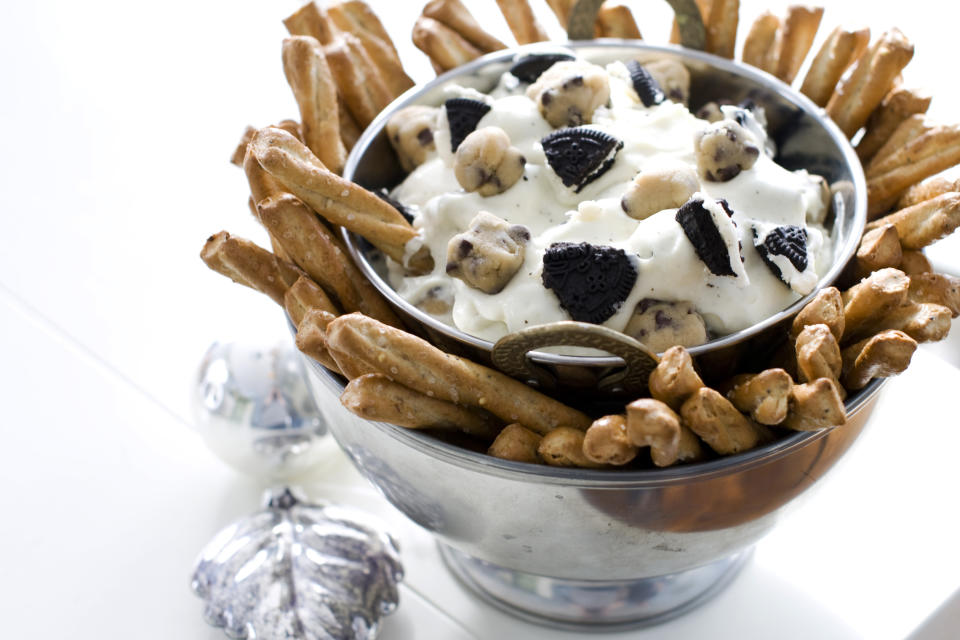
(838, 52)
(561, 9)
(310, 20)
(522, 22)
(885, 354)
(615, 20)
(563, 447)
(799, 29)
(455, 15)
(936, 288)
(924, 223)
(879, 248)
(314, 249)
(517, 443)
(815, 405)
(362, 85)
(762, 42)
(311, 337)
(720, 424)
(704, 7)
(924, 322)
(721, 27)
(339, 201)
(245, 263)
(674, 379)
(765, 396)
(818, 356)
(873, 297)
(309, 77)
(417, 364)
(825, 308)
(897, 106)
(869, 81)
(651, 423)
(928, 189)
(914, 262)
(445, 47)
(606, 441)
(910, 129)
(304, 295)
(376, 397)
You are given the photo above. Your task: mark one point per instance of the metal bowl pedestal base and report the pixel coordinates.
(583, 605)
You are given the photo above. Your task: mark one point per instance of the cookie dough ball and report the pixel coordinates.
(488, 254)
(660, 325)
(662, 188)
(569, 92)
(723, 150)
(673, 78)
(411, 133)
(437, 301)
(710, 112)
(486, 163)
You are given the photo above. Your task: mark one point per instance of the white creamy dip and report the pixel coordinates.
(668, 267)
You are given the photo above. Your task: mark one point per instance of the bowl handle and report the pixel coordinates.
(510, 354)
(693, 35)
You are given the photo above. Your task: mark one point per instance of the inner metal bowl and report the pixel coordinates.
(805, 138)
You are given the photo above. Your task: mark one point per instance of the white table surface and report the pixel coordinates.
(118, 121)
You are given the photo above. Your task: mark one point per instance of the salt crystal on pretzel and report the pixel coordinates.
(714, 418)
(924, 223)
(880, 356)
(651, 423)
(419, 365)
(376, 397)
(522, 22)
(872, 77)
(875, 296)
(615, 20)
(815, 405)
(455, 15)
(516, 443)
(765, 396)
(936, 288)
(606, 441)
(879, 248)
(837, 53)
(445, 47)
(304, 295)
(825, 308)
(563, 447)
(361, 83)
(674, 378)
(930, 188)
(818, 355)
(897, 106)
(310, 20)
(309, 77)
(762, 42)
(311, 338)
(799, 29)
(245, 263)
(339, 201)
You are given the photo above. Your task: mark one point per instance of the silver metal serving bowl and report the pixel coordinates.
(805, 139)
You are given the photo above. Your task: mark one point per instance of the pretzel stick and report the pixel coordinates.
(376, 397)
(523, 24)
(799, 29)
(339, 201)
(304, 295)
(606, 441)
(914, 262)
(815, 405)
(825, 308)
(516, 443)
(875, 296)
(360, 82)
(818, 356)
(924, 223)
(651, 423)
(897, 106)
(721, 25)
(838, 52)
(445, 47)
(310, 20)
(930, 143)
(936, 288)
(350, 131)
(881, 356)
(719, 424)
(241, 150)
(561, 9)
(761, 44)
(615, 20)
(910, 129)
(924, 322)
(872, 77)
(245, 263)
(765, 396)
(674, 379)
(879, 248)
(357, 18)
(703, 5)
(419, 365)
(455, 15)
(312, 337)
(928, 189)
(563, 447)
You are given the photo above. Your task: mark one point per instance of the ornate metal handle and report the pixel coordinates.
(689, 21)
(510, 354)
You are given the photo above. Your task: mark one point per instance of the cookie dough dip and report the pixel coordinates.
(574, 191)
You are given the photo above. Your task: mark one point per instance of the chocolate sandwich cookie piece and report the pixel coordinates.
(591, 281)
(644, 84)
(785, 252)
(404, 210)
(529, 68)
(463, 114)
(579, 155)
(711, 230)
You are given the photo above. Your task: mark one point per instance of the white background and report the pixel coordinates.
(117, 123)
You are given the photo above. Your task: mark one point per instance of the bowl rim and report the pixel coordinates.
(762, 78)
(599, 478)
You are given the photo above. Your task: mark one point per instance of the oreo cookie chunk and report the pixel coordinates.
(591, 282)
(644, 84)
(529, 68)
(463, 114)
(404, 210)
(786, 253)
(709, 226)
(579, 155)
